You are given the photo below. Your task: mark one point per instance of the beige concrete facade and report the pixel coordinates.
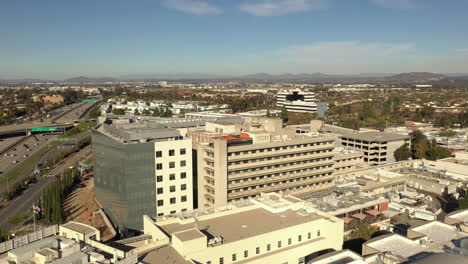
(230, 170)
(272, 229)
(174, 170)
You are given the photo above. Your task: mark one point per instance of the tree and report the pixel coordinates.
(136, 112)
(364, 231)
(284, 114)
(447, 133)
(402, 153)
(118, 111)
(436, 152)
(463, 203)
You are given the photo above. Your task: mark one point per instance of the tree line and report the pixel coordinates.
(421, 148)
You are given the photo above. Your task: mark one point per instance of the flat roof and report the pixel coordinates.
(437, 233)
(80, 228)
(375, 136)
(165, 255)
(338, 257)
(190, 234)
(242, 225)
(397, 245)
(461, 215)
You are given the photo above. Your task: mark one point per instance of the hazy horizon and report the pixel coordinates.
(55, 39)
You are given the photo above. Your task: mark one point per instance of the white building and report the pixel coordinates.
(297, 101)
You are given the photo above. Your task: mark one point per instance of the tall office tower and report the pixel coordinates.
(233, 168)
(141, 169)
(297, 101)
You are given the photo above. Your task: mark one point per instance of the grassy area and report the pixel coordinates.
(78, 129)
(18, 219)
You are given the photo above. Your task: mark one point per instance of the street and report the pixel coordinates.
(24, 202)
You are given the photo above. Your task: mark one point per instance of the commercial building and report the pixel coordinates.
(265, 158)
(347, 160)
(141, 168)
(297, 101)
(378, 147)
(266, 229)
(427, 239)
(453, 167)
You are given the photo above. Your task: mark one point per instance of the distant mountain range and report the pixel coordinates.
(411, 77)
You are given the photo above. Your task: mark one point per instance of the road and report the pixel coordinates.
(24, 202)
(19, 153)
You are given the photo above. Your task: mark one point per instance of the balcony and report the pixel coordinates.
(281, 178)
(273, 152)
(278, 161)
(282, 186)
(280, 169)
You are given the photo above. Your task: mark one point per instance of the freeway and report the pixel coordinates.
(22, 151)
(24, 202)
(60, 118)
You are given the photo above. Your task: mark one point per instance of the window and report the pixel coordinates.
(318, 232)
(171, 176)
(171, 152)
(171, 164)
(246, 253)
(279, 244)
(160, 202)
(159, 166)
(257, 250)
(309, 235)
(182, 151)
(268, 247)
(173, 212)
(183, 175)
(160, 214)
(159, 178)
(159, 190)
(221, 260)
(173, 200)
(183, 187)
(158, 154)
(183, 163)
(289, 241)
(234, 257)
(208, 262)
(299, 238)
(183, 198)
(184, 210)
(172, 188)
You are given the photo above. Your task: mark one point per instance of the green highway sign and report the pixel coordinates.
(43, 129)
(92, 100)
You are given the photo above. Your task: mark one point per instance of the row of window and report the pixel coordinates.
(278, 174)
(173, 200)
(278, 157)
(279, 165)
(278, 183)
(237, 153)
(172, 176)
(173, 212)
(268, 248)
(159, 166)
(171, 152)
(172, 188)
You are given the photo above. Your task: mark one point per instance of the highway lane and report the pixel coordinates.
(19, 153)
(5, 142)
(24, 202)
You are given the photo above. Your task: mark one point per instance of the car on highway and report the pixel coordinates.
(25, 155)
(6, 154)
(15, 161)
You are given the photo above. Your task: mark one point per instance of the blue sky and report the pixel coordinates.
(65, 38)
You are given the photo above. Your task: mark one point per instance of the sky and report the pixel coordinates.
(59, 39)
